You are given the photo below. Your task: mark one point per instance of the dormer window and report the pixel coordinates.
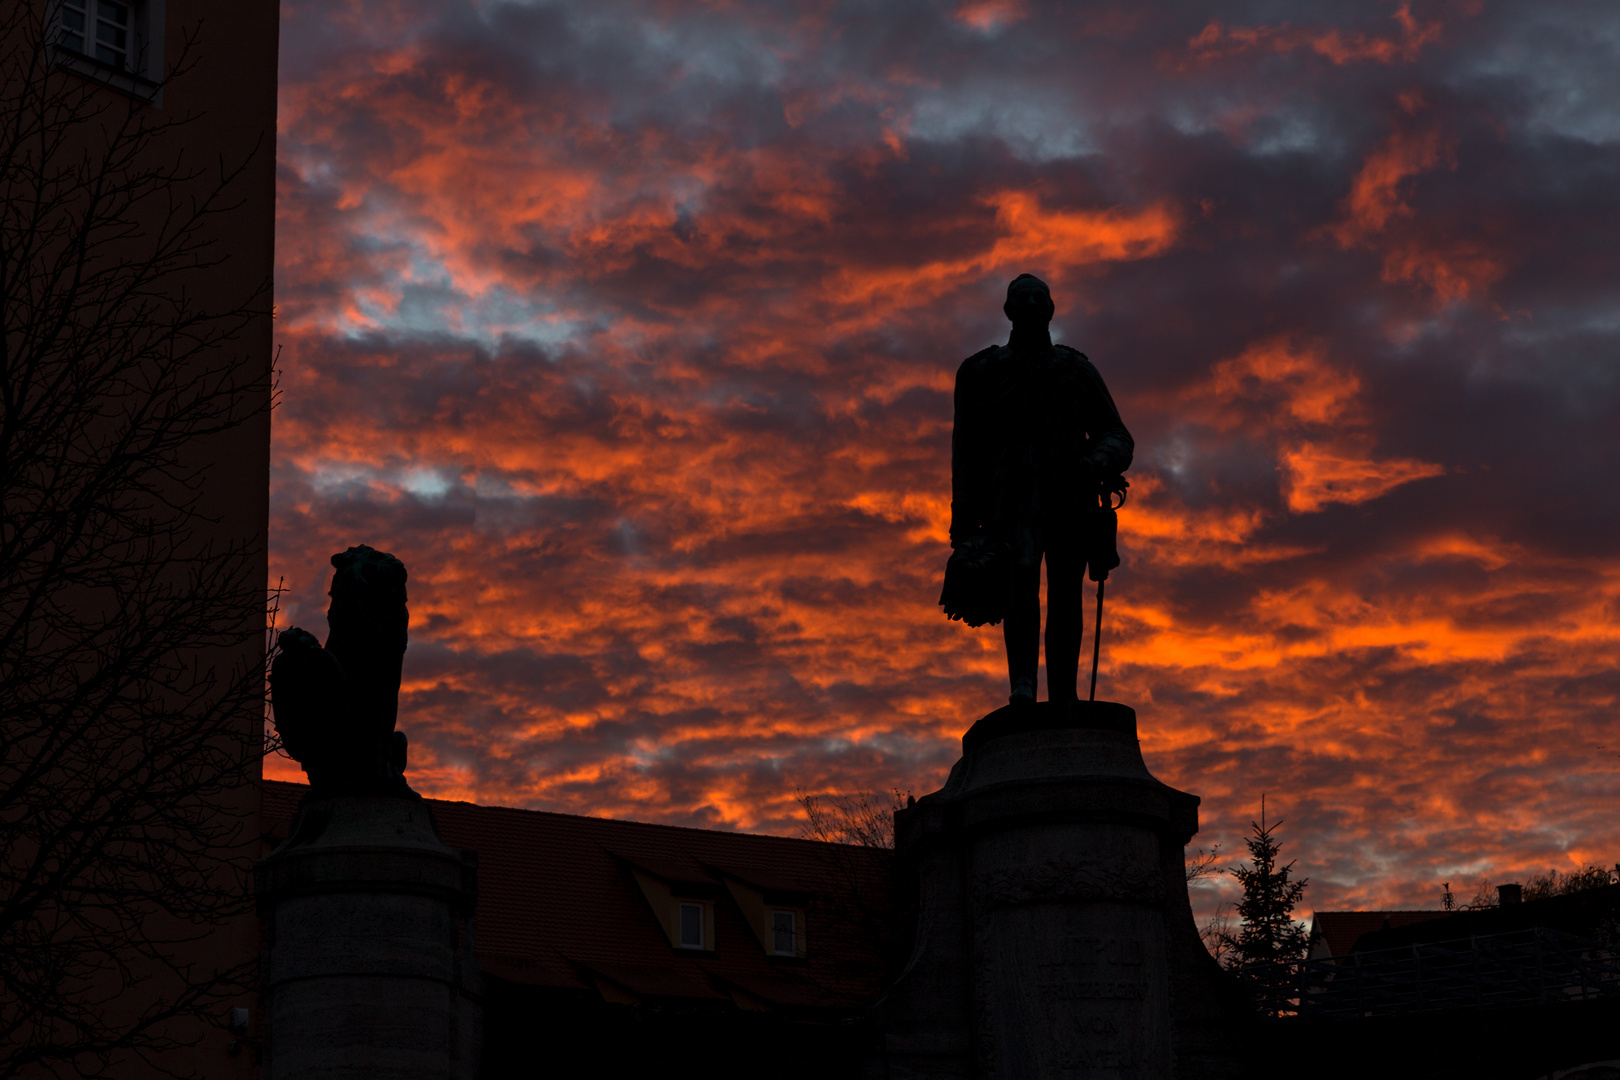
(785, 933)
(691, 926)
(680, 897)
(773, 908)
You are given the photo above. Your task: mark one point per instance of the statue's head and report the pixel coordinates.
(368, 590)
(1029, 301)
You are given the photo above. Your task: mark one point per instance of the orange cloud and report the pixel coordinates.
(1317, 423)
(1076, 237)
(1164, 533)
(1453, 268)
(986, 16)
(1318, 475)
(1454, 271)
(1216, 40)
(1026, 234)
(1314, 392)
(1375, 195)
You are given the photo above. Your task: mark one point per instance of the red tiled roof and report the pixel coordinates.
(559, 907)
(1339, 930)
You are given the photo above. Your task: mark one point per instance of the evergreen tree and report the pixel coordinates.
(1269, 931)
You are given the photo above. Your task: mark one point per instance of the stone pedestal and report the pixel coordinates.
(370, 970)
(1053, 935)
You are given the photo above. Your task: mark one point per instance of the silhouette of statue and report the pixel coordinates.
(1037, 448)
(335, 708)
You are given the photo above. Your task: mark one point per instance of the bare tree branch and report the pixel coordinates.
(1203, 864)
(862, 819)
(130, 716)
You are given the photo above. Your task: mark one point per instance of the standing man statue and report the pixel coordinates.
(1037, 448)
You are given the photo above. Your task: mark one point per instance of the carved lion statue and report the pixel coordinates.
(335, 707)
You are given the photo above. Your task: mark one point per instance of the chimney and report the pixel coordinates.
(1509, 894)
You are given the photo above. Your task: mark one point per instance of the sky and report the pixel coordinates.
(631, 327)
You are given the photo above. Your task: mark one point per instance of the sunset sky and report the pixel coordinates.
(631, 328)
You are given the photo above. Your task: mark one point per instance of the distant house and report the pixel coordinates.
(1335, 933)
(1591, 913)
(611, 946)
(1525, 989)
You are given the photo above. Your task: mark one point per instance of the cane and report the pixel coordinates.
(1096, 640)
(1109, 524)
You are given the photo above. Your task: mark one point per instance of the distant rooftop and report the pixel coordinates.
(578, 904)
(1335, 933)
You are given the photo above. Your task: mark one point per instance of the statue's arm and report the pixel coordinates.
(1111, 444)
(969, 497)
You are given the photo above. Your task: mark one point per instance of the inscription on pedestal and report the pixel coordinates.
(1059, 842)
(1067, 958)
(1135, 881)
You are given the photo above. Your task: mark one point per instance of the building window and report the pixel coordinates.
(784, 931)
(74, 25)
(117, 42)
(691, 926)
(103, 29)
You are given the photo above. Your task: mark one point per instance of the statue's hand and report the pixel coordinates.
(1102, 476)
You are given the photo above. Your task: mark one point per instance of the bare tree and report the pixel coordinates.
(1542, 886)
(1484, 896)
(1202, 864)
(862, 819)
(131, 631)
(1554, 883)
(858, 830)
(1217, 933)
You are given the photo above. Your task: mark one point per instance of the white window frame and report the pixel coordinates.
(793, 930)
(680, 924)
(141, 72)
